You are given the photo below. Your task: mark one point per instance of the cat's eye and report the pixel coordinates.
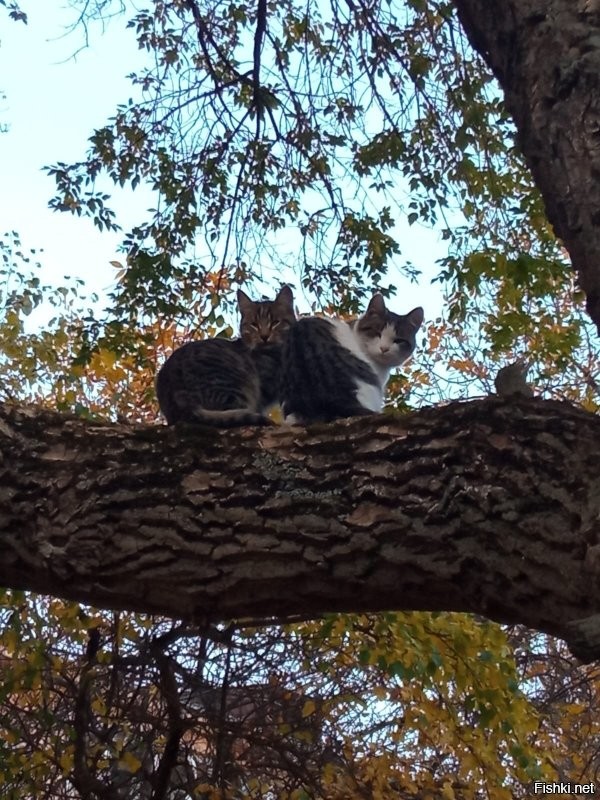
(254, 326)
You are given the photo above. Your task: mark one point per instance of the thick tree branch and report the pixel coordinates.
(546, 56)
(487, 506)
(259, 32)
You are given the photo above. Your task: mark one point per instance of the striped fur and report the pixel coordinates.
(229, 382)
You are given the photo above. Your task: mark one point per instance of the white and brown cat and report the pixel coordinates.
(332, 368)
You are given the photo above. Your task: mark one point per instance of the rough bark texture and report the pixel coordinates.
(488, 506)
(546, 56)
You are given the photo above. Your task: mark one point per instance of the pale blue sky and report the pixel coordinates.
(54, 102)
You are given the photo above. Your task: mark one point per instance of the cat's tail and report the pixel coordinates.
(185, 406)
(229, 418)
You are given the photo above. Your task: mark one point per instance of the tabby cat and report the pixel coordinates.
(227, 382)
(333, 368)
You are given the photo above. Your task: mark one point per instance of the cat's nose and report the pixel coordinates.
(384, 348)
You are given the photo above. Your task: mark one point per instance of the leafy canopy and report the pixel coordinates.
(293, 136)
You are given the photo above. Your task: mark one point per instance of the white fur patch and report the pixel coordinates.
(347, 338)
(368, 395)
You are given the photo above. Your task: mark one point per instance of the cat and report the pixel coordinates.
(334, 369)
(229, 382)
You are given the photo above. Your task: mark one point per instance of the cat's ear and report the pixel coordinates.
(285, 297)
(244, 302)
(376, 305)
(415, 317)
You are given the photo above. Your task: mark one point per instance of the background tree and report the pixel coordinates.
(328, 121)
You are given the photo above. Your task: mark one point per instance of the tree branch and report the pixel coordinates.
(489, 506)
(261, 27)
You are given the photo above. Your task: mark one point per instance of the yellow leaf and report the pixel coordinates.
(448, 791)
(107, 357)
(37, 758)
(308, 708)
(10, 641)
(129, 762)
(98, 706)
(66, 760)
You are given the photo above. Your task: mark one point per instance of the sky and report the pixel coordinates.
(54, 100)
(56, 94)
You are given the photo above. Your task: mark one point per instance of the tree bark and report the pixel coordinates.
(546, 56)
(488, 506)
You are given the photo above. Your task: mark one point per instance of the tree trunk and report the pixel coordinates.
(487, 506)
(546, 56)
